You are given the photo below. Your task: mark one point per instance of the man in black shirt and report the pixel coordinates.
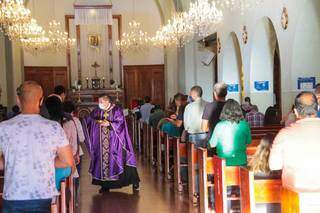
(211, 114)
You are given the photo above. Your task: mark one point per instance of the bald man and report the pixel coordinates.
(30, 145)
(295, 150)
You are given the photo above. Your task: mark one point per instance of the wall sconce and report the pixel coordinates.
(245, 35)
(284, 18)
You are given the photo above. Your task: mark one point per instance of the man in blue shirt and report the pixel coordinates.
(317, 93)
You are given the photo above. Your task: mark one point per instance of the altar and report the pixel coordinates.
(87, 99)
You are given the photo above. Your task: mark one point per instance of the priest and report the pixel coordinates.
(113, 164)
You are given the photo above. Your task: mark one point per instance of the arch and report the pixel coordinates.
(232, 69)
(306, 45)
(265, 73)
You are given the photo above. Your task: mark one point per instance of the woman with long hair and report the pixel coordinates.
(259, 164)
(231, 135)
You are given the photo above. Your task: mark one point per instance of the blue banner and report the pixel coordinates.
(308, 83)
(261, 86)
(233, 88)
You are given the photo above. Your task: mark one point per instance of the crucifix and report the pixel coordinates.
(95, 81)
(95, 66)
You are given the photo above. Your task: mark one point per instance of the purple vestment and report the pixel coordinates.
(110, 148)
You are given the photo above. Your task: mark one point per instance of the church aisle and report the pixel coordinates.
(155, 195)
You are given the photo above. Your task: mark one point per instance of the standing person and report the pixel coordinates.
(193, 117)
(255, 118)
(232, 135)
(113, 164)
(212, 111)
(295, 150)
(30, 178)
(60, 92)
(145, 110)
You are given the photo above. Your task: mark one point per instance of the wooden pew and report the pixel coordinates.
(192, 161)
(223, 176)
(267, 191)
(205, 169)
(145, 139)
(153, 144)
(299, 202)
(168, 147)
(180, 150)
(160, 141)
(139, 137)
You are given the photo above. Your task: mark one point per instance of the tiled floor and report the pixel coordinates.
(155, 196)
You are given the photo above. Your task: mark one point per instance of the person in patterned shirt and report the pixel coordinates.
(32, 146)
(255, 118)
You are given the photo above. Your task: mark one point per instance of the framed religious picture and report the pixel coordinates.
(94, 40)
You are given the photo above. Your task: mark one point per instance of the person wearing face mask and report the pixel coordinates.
(113, 164)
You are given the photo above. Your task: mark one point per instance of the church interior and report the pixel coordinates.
(143, 52)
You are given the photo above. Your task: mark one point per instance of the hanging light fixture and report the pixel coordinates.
(59, 40)
(241, 5)
(24, 31)
(204, 16)
(136, 40)
(177, 32)
(13, 12)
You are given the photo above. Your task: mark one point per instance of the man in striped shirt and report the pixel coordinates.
(255, 118)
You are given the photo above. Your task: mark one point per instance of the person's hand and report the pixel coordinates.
(105, 123)
(174, 116)
(76, 159)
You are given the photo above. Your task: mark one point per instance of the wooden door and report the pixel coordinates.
(144, 80)
(47, 77)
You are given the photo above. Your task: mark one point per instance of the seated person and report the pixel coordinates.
(156, 115)
(317, 93)
(255, 118)
(232, 135)
(174, 124)
(247, 105)
(259, 164)
(296, 148)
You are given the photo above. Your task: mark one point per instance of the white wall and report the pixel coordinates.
(147, 12)
(298, 45)
(232, 65)
(262, 63)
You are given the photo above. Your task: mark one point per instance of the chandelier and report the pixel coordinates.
(135, 40)
(34, 45)
(59, 41)
(25, 31)
(13, 12)
(204, 16)
(177, 32)
(242, 5)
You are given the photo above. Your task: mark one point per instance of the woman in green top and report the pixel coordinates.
(232, 135)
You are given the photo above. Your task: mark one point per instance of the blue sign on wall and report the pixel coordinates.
(261, 86)
(308, 83)
(233, 88)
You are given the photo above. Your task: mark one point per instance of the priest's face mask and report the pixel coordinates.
(104, 103)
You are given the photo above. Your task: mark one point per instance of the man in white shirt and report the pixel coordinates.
(145, 110)
(31, 146)
(193, 117)
(295, 150)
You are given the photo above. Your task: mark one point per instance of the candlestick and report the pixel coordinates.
(87, 80)
(103, 82)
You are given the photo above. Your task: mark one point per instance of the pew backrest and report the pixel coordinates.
(223, 176)
(262, 191)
